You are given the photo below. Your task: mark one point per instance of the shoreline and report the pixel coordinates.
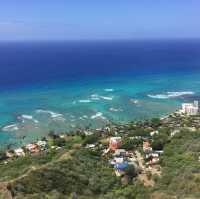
(110, 123)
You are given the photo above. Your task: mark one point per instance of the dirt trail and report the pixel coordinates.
(143, 177)
(5, 193)
(64, 156)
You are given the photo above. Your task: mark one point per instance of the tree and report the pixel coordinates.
(3, 155)
(155, 122)
(59, 142)
(128, 144)
(91, 139)
(160, 139)
(131, 171)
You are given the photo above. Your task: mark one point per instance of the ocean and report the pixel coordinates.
(66, 85)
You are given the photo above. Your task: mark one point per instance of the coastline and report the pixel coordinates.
(130, 154)
(110, 123)
(63, 108)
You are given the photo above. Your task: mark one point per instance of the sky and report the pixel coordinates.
(98, 19)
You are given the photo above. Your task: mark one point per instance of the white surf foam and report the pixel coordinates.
(28, 117)
(109, 89)
(74, 102)
(53, 115)
(85, 101)
(171, 95)
(134, 101)
(36, 121)
(81, 118)
(115, 109)
(62, 119)
(98, 115)
(42, 111)
(106, 98)
(99, 97)
(12, 127)
(95, 97)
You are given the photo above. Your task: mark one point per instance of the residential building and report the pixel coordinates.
(42, 144)
(154, 133)
(19, 152)
(119, 152)
(146, 146)
(114, 143)
(190, 108)
(33, 148)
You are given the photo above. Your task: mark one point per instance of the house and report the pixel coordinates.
(62, 136)
(42, 144)
(119, 152)
(174, 132)
(153, 161)
(190, 108)
(114, 143)
(33, 148)
(146, 146)
(152, 155)
(154, 133)
(88, 133)
(10, 154)
(90, 146)
(116, 160)
(107, 129)
(121, 166)
(19, 152)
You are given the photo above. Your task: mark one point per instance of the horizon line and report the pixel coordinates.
(100, 39)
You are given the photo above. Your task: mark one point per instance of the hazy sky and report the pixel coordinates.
(98, 19)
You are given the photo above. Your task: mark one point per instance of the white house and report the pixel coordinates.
(42, 144)
(19, 152)
(87, 133)
(154, 133)
(190, 108)
(90, 146)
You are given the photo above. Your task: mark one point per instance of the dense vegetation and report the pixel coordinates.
(180, 166)
(73, 172)
(84, 174)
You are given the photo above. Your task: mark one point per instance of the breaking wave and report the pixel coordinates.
(84, 101)
(12, 127)
(109, 90)
(53, 115)
(106, 98)
(115, 109)
(95, 97)
(29, 117)
(98, 97)
(170, 95)
(98, 115)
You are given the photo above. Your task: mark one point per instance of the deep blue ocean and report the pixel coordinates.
(66, 85)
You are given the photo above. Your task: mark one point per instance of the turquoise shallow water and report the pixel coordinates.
(66, 85)
(29, 113)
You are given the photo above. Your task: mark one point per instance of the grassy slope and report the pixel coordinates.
(180, 166)
(87, 175)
